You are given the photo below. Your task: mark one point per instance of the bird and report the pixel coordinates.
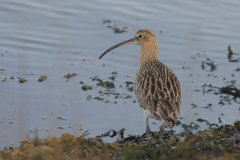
(157, 88)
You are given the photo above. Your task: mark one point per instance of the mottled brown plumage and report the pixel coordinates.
(156, 86)
(158, 91)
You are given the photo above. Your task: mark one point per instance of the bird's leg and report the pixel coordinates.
(147, 129)
(162, 128)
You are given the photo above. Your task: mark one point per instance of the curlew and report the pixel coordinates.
(157, 88)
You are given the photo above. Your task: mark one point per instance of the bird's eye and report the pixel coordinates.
(140, 36)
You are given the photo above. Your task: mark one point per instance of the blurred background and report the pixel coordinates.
(54, 38)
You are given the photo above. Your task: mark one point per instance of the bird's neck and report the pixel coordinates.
(149, 52)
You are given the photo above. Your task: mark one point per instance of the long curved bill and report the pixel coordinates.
(130, 41)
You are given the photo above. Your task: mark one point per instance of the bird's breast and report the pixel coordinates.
(158, 91)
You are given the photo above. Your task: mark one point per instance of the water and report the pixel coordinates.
(54, 38)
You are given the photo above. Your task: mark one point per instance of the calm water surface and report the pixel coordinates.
(56, 38)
